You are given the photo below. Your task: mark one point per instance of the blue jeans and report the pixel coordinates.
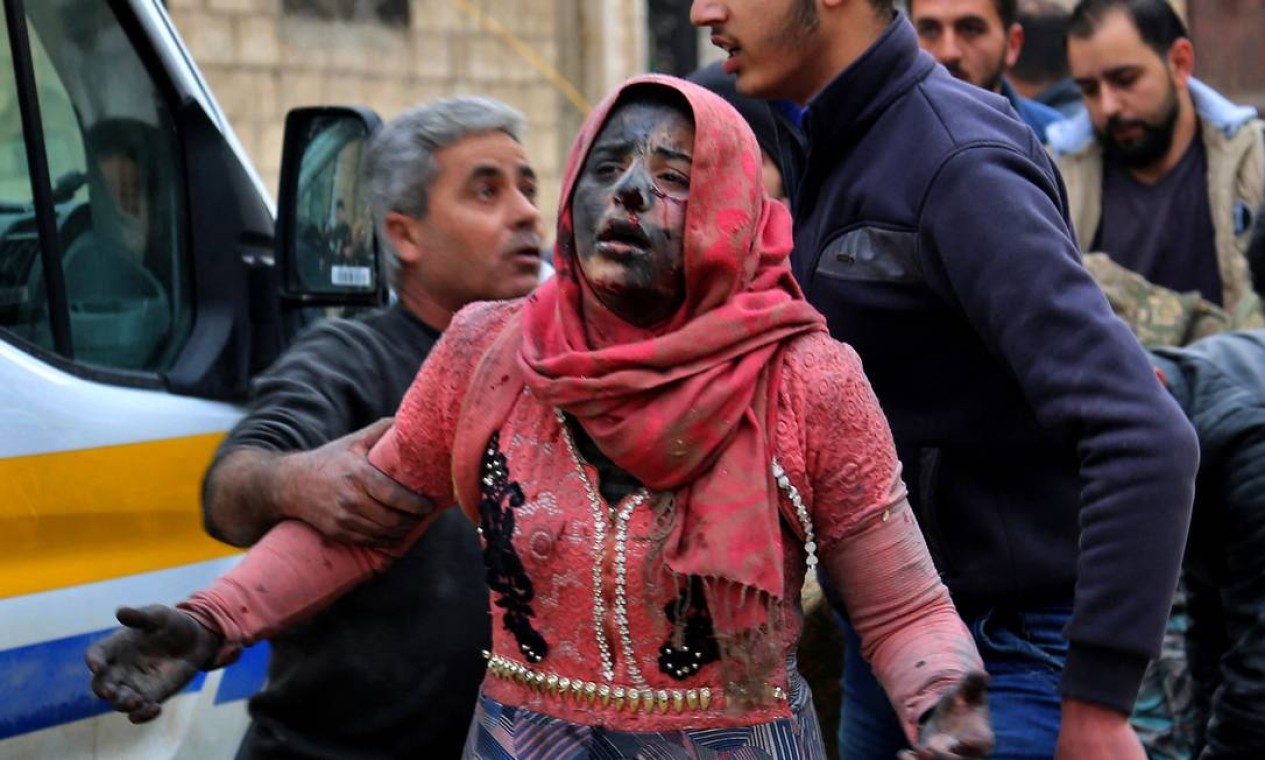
(1023, 652)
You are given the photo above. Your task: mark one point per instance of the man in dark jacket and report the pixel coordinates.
(1052, 476)
(392, 669)
(1220, 384)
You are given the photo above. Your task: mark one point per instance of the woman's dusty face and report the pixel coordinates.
(628, 211)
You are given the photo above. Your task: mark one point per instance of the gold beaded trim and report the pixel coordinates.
(590, 694)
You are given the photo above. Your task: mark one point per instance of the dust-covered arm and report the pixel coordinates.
(870, 546)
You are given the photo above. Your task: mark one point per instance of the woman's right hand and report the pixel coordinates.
(159, 650)
(958, 727)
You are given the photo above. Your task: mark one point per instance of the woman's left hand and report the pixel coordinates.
(157, 652)
(958, 726)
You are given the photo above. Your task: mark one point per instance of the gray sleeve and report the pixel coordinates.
(322, 388)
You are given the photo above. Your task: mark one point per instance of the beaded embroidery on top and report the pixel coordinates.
(688, 612)
(801, 513)
(599, 539)
(698, 641)
(690, 647)
(506, 577)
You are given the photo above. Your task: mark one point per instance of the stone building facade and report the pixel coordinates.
(548, 58)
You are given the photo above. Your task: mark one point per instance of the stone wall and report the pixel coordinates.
(261, 61)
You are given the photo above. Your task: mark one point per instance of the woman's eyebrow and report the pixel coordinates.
(617, 147)
(674, 155)
(613, 147)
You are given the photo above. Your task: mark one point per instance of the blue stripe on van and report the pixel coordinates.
(246, 676)
(46, 684)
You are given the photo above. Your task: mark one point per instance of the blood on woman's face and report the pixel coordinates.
(628, 211)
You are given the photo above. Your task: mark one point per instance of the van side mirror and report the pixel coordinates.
(327, 247)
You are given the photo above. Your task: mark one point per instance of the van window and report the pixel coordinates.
(118, 187)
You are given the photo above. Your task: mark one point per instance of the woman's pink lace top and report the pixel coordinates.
(588, 624)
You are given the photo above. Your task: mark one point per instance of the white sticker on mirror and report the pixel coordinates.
(351, 277)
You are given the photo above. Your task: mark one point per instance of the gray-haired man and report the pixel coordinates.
(393, 668)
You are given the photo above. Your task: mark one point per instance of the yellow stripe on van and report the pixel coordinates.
(81, 516)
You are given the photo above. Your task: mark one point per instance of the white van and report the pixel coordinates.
(139, 292)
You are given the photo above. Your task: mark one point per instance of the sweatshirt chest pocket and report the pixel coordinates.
(873, 255)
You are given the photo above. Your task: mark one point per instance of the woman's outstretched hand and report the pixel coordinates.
(958, 726)
(158, 651)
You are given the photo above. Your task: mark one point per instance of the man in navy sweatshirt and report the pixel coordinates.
(1052, 474)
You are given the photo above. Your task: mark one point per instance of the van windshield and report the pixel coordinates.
(115, 169)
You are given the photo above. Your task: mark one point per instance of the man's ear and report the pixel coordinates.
(1014, 43)
(405, 235)
(1181, 61)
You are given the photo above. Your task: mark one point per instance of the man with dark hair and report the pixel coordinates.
(1051, 475)
(391, 669)
(1163, 197)
(978, 41)
(1163, 173)
(1040, 72)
